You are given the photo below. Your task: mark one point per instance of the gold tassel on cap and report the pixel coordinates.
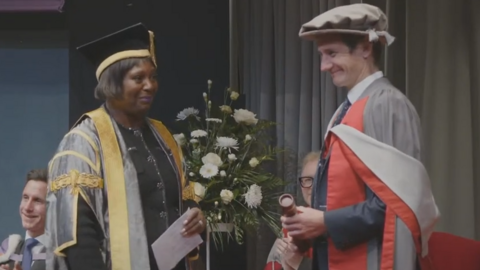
(152, 48)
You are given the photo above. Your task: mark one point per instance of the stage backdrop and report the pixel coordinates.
(34, 109)
(192, 47)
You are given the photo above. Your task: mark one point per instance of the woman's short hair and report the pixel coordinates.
(110, 83)
(312, 156)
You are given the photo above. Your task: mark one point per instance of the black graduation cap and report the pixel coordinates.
(130, 42)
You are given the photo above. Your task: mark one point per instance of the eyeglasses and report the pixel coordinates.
(305, 181)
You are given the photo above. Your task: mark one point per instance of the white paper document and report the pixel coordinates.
(172, 246)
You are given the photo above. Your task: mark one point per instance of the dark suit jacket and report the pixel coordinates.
(36, 265)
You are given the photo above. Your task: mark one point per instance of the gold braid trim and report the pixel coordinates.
(188, 192)
(75, 180)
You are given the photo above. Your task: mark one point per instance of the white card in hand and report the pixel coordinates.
(172, 246)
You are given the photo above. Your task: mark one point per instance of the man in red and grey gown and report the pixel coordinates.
(372, 203)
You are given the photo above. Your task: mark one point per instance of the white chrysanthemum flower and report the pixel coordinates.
(212, 158)
(253, 197)
(194, 141)
(253, 162)
(248, 137)
(185, 113)
(199, 190)
(223, 173)
(216, 120)
(226, 143)
(226, 195)
(232, 157)
(198, 133)
(245, 116)
(179, 138)
(208, 170)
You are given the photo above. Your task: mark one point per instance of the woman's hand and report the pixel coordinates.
(291, 258)
(195, 223)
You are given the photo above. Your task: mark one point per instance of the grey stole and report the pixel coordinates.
(382, 107)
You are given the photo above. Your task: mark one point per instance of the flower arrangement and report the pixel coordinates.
(224, 152)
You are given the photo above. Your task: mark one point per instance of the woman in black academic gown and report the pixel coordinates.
(116, 181)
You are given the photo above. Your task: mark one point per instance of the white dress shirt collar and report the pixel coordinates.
(360, 87)
(40, 238)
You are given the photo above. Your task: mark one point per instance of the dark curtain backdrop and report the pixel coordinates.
(192, 46)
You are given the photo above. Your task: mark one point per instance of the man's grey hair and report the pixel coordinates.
(110, 83)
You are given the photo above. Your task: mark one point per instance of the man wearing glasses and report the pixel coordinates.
(281, 257)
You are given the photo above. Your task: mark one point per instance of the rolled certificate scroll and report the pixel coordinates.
(289, 209)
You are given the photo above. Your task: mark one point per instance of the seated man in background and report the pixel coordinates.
(280, 257)
(28, 254)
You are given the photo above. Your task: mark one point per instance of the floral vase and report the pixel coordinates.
(231, 253)
(221, 227)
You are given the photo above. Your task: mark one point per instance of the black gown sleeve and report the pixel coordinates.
(190, 204)
(85, 254)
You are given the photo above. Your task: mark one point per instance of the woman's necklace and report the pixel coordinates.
(136, 131)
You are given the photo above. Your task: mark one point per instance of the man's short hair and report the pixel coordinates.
(37, 175)
(110, 83)
(352, 41)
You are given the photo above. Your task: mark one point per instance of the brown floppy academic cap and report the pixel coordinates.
(358, 19)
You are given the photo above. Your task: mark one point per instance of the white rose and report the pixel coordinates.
(245, 116)
(226, 109)
(253, 162)
(199, 190)
(232, 157)
(226, 195)
(223, 173)
(248, 137)
(212, 158)
(191, 174)
(208, 171)
(234, 95)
